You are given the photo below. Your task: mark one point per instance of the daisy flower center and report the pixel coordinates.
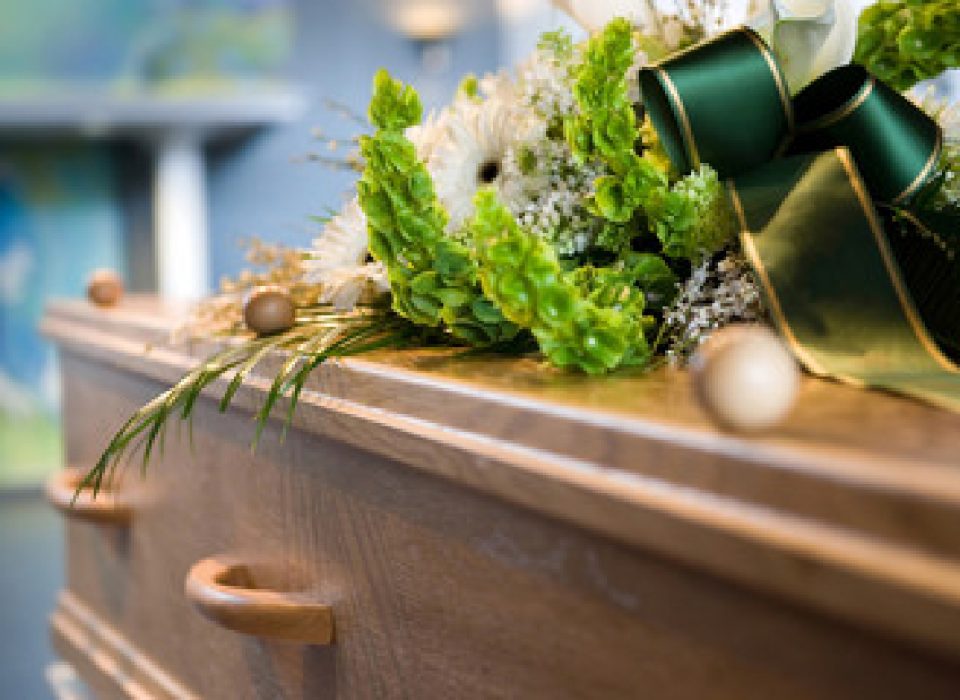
(488, 172)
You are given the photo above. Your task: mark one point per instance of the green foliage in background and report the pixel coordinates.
(30, 448)
(905, 41)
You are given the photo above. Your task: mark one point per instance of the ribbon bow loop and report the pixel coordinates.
(725, 102)
(804, 175)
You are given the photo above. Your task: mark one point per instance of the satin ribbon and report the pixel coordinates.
(806, 176)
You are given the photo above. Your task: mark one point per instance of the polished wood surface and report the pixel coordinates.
(488, 527)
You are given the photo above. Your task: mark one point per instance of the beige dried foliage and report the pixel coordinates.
(272, 265)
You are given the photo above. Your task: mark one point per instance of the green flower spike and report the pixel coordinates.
(905, 41)
(690, 219)
(593, 324)
(433, 278)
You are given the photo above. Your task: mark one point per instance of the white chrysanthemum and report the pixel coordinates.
(338, 262)
(343, 243)
(478, 136)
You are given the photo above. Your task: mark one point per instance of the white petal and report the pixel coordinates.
(476, 133)
(345, 287)
(342, 243)
(809, 37)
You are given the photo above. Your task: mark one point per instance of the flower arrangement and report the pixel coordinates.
(541, 211)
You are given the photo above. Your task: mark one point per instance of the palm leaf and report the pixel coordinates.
(321, 333)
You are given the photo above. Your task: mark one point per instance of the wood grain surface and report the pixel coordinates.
(585, 538)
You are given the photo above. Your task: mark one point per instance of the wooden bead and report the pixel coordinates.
(269, 310)
(745, 378)
(104, 288)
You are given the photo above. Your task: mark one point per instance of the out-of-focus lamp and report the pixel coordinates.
(430, 25)
(428, 20)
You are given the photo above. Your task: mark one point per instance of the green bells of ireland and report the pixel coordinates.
(433, 278)
(806, 177)
(596, 332)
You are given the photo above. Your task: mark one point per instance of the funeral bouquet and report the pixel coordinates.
(610, 202)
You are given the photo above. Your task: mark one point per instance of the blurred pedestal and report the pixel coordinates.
(175, 130)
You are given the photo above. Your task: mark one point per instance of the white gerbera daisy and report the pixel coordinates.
(478, 137)
(429, 135)
(339, 262)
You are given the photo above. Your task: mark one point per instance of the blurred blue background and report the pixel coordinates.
(44, 42)
(63, 208)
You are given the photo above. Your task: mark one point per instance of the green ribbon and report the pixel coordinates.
(724, 102)
(804, 176)
(895, 144)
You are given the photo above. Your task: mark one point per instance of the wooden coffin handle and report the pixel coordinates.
(223, 591)
(107, 507)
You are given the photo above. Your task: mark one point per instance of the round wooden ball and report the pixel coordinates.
(745, 378)
(269, 310)
(104, 288)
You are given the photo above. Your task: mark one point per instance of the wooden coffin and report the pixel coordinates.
(444, 525)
